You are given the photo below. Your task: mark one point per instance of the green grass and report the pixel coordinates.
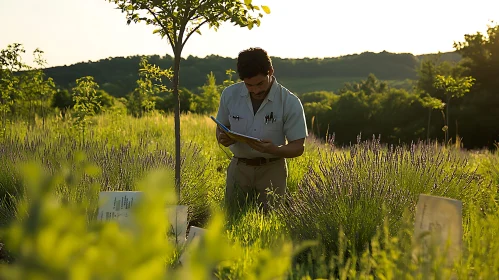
(349, 214)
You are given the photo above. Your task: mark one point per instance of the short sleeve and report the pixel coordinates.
(295, 126)
(223, 111)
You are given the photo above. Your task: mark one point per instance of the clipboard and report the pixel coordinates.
(234, 135)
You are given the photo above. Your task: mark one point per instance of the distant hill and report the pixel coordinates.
(118, 75)
(448, 56)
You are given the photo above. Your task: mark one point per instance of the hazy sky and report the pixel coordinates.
(71, 31)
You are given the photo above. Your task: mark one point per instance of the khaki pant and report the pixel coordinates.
(244, 182)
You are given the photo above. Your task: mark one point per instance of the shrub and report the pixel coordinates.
(348, 190)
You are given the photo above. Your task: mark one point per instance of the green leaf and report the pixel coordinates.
(247, 2)
(266, 9)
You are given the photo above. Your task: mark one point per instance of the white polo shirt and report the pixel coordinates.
(288, 122)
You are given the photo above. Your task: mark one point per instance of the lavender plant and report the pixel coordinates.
(121, 165)
(348, 190)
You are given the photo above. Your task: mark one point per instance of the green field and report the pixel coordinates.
(310, 84)
(349, 214)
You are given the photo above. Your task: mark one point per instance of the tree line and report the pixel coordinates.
(451, 99)
(27, 92)
(117, 75)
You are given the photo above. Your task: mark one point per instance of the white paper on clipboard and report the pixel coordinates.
(234, 135)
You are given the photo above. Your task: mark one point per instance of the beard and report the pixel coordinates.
(258, 95)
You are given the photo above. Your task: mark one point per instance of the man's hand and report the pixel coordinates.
(292, 149)
(266, 146)
(223, 138)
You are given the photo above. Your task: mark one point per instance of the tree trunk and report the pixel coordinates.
(4, 120)
(447, 120)
(318, 129)
(429, 122)
(83, 134)
(176, 70)
(31, 115)
(42, 112)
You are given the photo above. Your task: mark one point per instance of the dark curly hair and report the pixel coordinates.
(253, 61)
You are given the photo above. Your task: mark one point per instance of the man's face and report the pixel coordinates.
(258, 85)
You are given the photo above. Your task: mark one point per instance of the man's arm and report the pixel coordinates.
(222, 116)
(292, 149)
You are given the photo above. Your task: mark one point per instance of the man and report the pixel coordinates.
(262, 108)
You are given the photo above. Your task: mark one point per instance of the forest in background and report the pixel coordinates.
(400, 98)
(117, 75)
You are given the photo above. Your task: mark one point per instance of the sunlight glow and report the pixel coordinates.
(83, 30)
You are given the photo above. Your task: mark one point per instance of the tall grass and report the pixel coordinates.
(124, 148)
(120, 163)
(52, 239)
(346, 191)
(333, 224)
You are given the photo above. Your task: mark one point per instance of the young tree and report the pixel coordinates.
(427, 72)
(431, 103)
(178, 20)
(36, 89)
(10, 62)
(228, 81)
(452, 88)
(150, 83)
(207, 101)
(86, 101)
(23, 89)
